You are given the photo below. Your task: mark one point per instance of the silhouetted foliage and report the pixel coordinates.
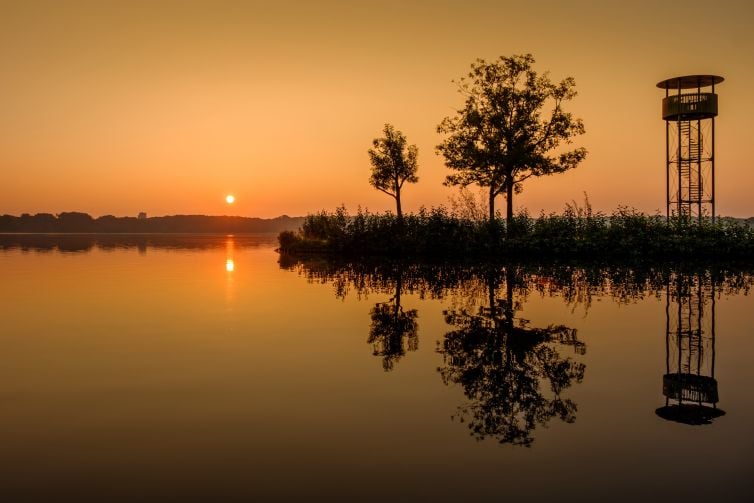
(427, 233)
(499, 138)
(577, 233)
(74, 221)
(393, 164)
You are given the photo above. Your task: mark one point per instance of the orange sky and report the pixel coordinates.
(165, 107)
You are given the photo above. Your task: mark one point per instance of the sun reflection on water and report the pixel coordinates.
(230, 267)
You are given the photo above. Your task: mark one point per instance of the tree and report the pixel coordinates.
(393, 164)
(499, 138)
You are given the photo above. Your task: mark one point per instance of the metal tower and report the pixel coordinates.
(689, 383)
(689, 110)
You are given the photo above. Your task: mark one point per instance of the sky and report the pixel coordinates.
(166, 107)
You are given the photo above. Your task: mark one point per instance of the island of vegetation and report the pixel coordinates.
(512, 126)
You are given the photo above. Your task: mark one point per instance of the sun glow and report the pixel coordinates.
(230, 199)
(230, 266)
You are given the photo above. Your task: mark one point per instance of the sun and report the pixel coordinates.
(230, 199)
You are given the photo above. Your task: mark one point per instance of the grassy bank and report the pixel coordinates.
(576, 233)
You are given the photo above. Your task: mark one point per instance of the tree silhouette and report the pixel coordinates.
(393, 164)
(393, 331)
(502, 364)
(499, 139)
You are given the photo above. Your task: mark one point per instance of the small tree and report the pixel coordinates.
(393, 164)
(499, 138)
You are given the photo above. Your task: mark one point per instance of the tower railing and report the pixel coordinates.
(689, 106)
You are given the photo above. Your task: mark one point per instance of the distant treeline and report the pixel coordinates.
(82, 222)
(576, 234)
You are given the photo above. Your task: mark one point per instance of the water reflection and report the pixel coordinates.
(511, 372)
(135, 372)
(72, 243)
(514, 373)
(230, 267)
(230, 245)
(393, 331)
(689, 383)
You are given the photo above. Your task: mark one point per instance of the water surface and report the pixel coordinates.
(177, 368)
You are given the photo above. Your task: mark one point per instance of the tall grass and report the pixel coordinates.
(576, 233)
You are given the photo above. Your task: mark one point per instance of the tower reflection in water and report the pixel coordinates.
(689, 383)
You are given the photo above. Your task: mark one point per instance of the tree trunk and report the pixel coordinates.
(492, 205)
(398, 204)
(509, 206)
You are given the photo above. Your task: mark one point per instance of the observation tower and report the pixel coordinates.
(689, 110)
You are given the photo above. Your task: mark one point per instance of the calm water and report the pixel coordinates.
(206, 368)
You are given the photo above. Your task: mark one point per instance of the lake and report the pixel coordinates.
(209, 368)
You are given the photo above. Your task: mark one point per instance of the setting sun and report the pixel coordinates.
(230, 199)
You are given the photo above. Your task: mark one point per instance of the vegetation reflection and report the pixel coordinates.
(512, 373)
(393, 331)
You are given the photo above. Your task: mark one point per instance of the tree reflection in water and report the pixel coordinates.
(503, 365)
(393, 331)
(512, 373)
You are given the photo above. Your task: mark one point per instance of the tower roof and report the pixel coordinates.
(690, 81)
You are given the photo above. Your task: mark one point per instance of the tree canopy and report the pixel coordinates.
(393, 164)
(510, 128)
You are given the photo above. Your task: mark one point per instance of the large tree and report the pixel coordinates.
(393, 164)
(510, 128)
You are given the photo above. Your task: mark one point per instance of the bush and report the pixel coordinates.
(576, 233)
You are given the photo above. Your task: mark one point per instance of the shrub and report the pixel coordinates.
(576, 233)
